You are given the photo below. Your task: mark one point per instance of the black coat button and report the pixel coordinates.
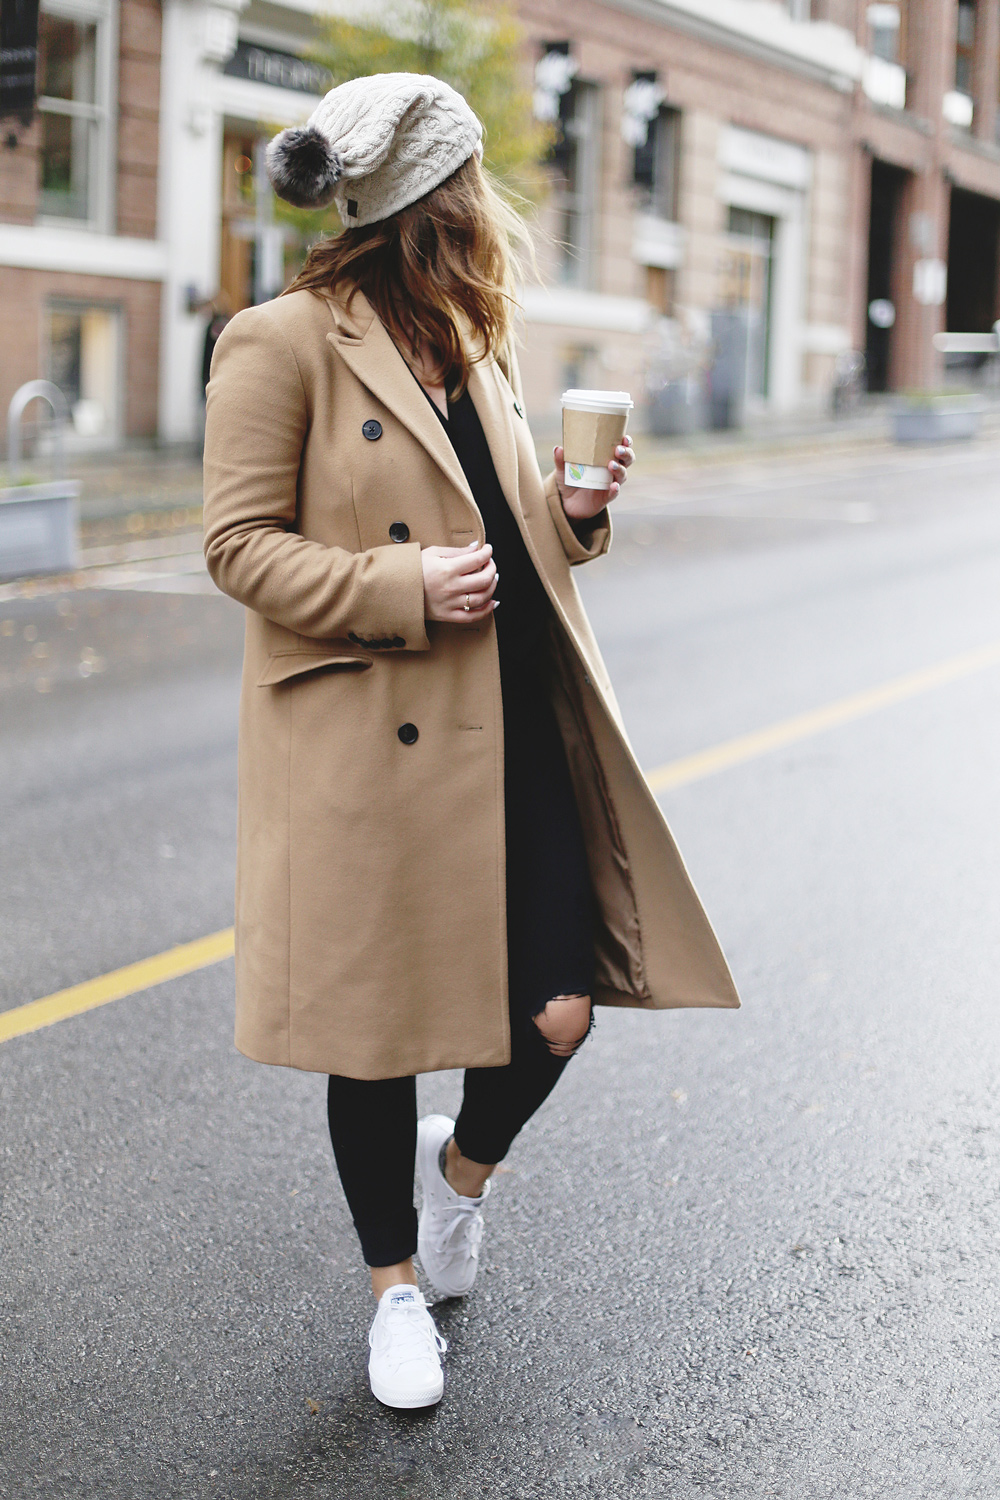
(371, 429)
(399, 531)
(408, 733)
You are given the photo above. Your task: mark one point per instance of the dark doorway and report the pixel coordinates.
(973, 228)
(887, 189)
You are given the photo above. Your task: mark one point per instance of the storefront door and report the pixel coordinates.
(748, 276)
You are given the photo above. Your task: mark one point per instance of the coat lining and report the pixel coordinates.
(618, 943)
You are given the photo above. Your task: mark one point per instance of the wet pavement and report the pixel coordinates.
(735, 1255)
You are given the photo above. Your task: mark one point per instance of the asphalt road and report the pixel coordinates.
(736, 1255)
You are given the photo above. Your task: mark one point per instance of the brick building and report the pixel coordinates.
(81, 264)
(805, 167)
(926, 180)
(742, 184)
(718, 199)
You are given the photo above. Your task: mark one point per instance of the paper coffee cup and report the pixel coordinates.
(593, 425)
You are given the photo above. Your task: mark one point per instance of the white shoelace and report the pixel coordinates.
(409, 1337)
(464, 1216)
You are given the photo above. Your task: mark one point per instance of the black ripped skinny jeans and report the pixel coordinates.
(373, 1123)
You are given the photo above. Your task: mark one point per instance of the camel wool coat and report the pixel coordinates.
(370, 899)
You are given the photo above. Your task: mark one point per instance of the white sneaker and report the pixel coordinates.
(450, 1231)
(404, 1369)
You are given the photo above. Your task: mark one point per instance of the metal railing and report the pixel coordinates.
(968, 343)
(35, 390)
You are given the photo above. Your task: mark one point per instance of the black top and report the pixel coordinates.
(522, 618)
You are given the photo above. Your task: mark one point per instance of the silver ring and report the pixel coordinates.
(468, 603)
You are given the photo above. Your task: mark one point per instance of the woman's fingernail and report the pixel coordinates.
(496, 603)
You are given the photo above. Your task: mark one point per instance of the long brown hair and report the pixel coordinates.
(440, 273)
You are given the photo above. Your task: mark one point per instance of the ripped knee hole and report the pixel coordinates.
(565, 1023)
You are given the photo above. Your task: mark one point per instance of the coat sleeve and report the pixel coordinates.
(581, 541)
(255, 427)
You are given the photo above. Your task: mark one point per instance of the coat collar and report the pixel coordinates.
(362, 341)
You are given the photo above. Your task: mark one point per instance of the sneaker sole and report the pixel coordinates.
(381, 1393)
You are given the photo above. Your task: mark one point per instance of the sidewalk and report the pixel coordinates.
(149, 491)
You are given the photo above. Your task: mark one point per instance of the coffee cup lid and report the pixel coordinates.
(597, 400)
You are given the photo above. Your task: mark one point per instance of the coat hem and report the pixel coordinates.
(330, 1065)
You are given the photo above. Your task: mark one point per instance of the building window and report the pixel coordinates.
(579, 366)
(84, 361)
(660, 289)
(73, 107)
(655, 164)
(576, 157)
(884, 28)
(964, 46)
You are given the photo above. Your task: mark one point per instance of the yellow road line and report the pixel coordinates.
(218, 945)
(801, 726)
(116, 985)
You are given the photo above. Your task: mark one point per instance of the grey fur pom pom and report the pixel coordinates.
(303, 167)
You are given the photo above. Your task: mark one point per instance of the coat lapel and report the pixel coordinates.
(364, 345)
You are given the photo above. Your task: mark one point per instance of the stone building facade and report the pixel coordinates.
(741, 233)
(741, 191)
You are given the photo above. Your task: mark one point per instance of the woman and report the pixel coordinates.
(446, 849)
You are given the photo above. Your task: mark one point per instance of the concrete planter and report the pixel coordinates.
(38, 530)
(942, 419)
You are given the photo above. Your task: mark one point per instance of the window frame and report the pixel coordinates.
(103, 14)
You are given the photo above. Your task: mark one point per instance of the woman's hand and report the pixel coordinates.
(459, 583)
(583, 505)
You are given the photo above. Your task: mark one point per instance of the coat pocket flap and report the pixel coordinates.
(284, 664)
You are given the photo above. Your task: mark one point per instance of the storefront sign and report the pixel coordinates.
(282, 70)
(764, 157)
(18, 57)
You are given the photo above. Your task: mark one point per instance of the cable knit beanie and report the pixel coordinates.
(375, 145)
